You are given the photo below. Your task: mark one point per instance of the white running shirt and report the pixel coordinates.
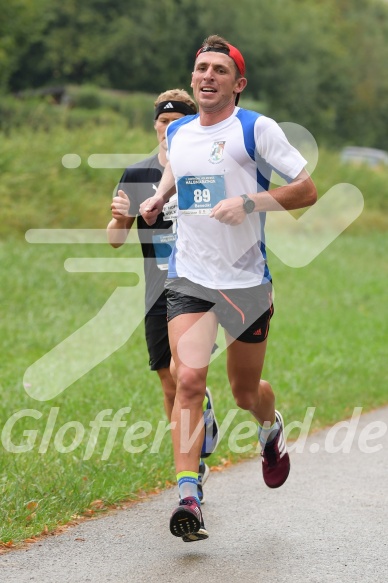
(225, 160)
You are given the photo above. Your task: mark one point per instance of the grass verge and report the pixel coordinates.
(326, 350)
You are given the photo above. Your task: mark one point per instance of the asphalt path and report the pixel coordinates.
(328, 523)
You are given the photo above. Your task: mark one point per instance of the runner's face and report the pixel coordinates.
(214, 81)
(161, 124)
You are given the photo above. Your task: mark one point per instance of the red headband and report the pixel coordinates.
(233, 53)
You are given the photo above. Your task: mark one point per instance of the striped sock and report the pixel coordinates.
(188, 485)
(268, 432)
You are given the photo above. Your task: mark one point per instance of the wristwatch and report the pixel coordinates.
(248, 204)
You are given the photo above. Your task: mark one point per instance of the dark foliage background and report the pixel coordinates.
(320, 64)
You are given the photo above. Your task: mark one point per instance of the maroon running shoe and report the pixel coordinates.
(276, 461)
(186, 521)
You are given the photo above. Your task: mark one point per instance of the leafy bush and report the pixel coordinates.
(81, 105)
(87, 97)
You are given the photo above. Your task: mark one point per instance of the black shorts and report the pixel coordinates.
(156, 335)
(244, 313)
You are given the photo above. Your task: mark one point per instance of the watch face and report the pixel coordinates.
(249, 205)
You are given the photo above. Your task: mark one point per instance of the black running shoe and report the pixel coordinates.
(211, 427)
(186, 521)
(203, 474)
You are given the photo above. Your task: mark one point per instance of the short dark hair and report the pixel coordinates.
(219, 45)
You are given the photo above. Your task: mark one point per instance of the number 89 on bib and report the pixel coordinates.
(197, 195)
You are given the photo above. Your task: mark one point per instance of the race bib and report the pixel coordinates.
(163, 246)
(170, 209)
(197, 195)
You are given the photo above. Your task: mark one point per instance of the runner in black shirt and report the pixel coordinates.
(138, 183)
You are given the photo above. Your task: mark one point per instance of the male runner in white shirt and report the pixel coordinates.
(220, 163)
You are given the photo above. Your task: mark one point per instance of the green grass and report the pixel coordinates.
(325, 348)
(325, 351)
(37, 191)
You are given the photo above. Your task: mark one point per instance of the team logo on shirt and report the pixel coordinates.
(216, 152)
